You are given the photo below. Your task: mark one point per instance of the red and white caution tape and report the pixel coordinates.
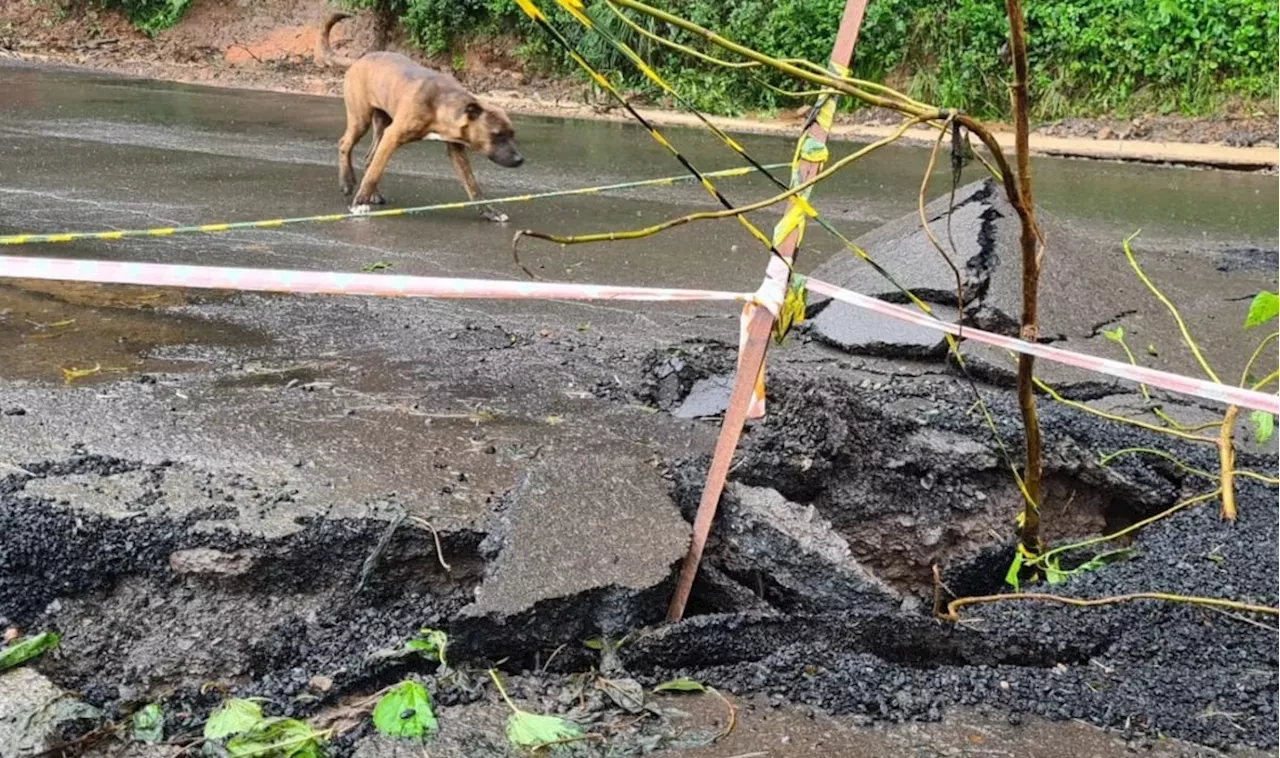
(335, 283)
(384, 285)
(1185, 385)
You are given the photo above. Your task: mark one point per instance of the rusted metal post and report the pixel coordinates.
(787, 236)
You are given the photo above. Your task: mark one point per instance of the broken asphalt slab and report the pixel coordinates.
(590, 522)
(1086, 286)
(797, 560)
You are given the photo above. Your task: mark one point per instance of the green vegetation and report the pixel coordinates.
(238, 729)
(22, 650)
(1086, 56)
(535, 731)
(150, 16)
(148, 724)
(405, 712)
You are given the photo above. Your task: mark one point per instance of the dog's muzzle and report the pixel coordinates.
(507, 157)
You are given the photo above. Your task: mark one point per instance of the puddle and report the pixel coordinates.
(79, 332)
(765, 730)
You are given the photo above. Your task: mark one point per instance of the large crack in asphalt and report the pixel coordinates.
(814, 591)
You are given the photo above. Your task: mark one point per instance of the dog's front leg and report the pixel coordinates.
(392, 138)
(462, 167)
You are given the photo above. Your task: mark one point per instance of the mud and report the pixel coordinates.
(91, 333)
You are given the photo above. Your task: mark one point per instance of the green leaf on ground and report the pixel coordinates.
(1265, 306)
(405, 712)
(277, 737)
(534, 730)
(148, 724)
(27, 648)
(683, 684)
(1102, 560)
(232, 717)
(376, 266)
(1115, 335)
(1053, 573)
(1264, 425)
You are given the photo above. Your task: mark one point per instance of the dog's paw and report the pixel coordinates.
(346, 188)
(494, 216)
(360, 209)
(376, 199)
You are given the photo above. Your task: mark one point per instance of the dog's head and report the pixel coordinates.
(485, 129)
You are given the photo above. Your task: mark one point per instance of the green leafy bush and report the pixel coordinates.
(1087, 56)
(150, 16)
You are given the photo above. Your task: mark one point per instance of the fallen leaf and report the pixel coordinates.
(533, 730)
(234, 716)
(69, 375)
(683, 684)
(148, 724)
(24, 650)
(405, 712)
(278, 738)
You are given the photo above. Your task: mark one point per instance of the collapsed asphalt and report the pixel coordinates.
(217, 508)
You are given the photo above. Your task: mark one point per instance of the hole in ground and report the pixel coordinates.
(862, 483)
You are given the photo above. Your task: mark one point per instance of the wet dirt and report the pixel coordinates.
(765, 729)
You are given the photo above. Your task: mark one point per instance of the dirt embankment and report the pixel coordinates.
(267, 45)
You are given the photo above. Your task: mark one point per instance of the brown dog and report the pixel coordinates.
(405, 102)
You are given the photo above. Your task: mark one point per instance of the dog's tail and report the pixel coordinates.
(324, 54)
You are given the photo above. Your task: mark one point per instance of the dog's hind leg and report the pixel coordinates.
(462, 167)
(357, 124)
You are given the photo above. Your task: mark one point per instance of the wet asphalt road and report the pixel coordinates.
(97, 152)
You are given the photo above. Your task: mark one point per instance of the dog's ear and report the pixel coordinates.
(471, 111)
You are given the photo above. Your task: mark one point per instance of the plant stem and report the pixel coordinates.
(1173, 310)
(1227, 462)
(1128, 529)
(493, 674)
(736, 211)
(1030, 536)
(1211, 602)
